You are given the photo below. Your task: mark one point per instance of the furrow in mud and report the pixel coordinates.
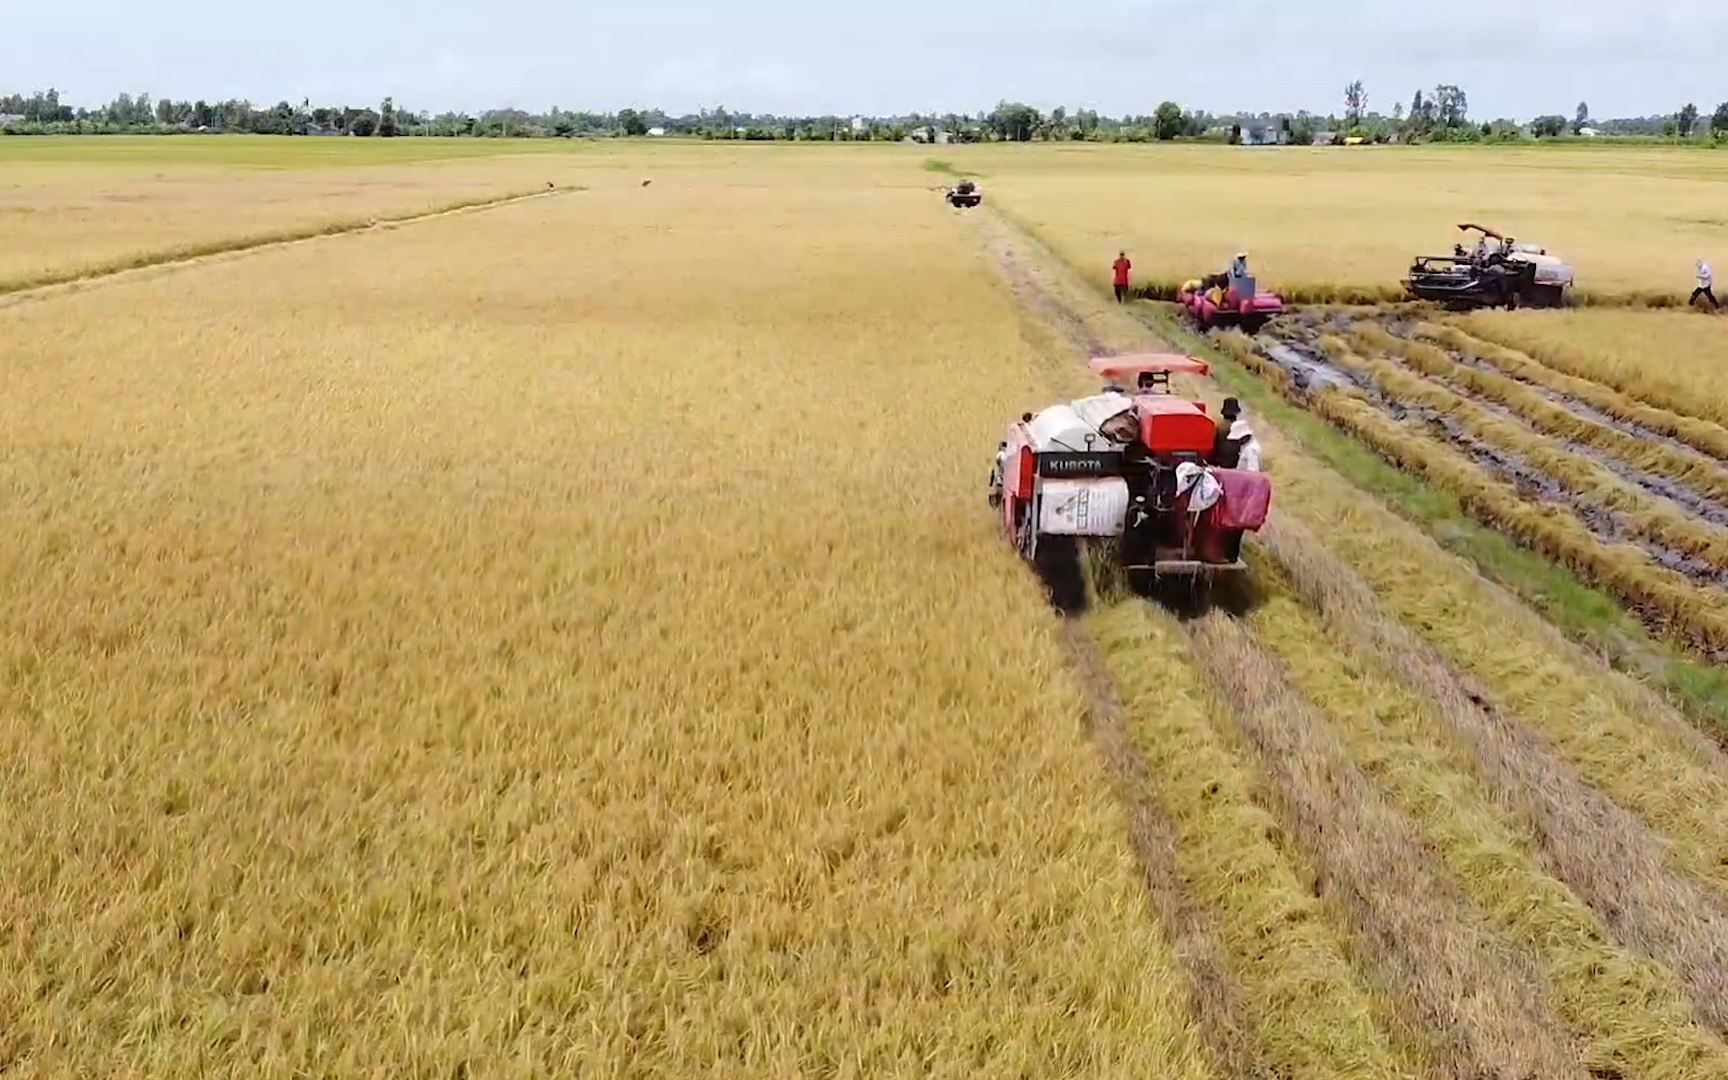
(1531, 481)
(1665, 600)
(1701, 486)
(1585, 397)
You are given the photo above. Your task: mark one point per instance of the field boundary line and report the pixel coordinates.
(166, 260)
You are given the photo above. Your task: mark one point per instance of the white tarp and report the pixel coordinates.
(1207, 489)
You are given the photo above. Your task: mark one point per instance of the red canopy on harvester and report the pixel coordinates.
(1122, 367)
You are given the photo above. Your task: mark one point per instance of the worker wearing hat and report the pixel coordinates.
(1224, 454)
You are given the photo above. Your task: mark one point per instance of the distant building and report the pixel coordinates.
(1588, 132)
(656, 132)
(11, 118)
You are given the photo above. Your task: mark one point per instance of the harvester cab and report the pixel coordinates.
(1131, 473)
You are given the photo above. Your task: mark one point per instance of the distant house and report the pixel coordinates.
(1324, 138)
(1588, 132)
(11, 118)
(656, 132)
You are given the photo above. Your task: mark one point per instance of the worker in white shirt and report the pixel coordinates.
(1703, 289)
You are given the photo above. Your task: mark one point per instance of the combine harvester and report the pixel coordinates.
(1216, 301)
(964, 194)
(1502, 274)
(1131, 474)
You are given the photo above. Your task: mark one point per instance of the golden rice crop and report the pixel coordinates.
(1306, 1014)
(1631, 1015)
(1335, 222)
(1677, 360)
(1698, 471)
(70, 206)
(1706, 436)
(525, 643)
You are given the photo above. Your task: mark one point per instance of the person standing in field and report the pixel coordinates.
(1224, 454)
(1704, 282)
(1119, 279)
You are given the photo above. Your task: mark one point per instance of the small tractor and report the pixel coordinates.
(1129, 474)
(1217, 300)
(965, 193)
(1504, 273)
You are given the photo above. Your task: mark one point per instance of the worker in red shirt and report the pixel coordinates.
(1121, 267)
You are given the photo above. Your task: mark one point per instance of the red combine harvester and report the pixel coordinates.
(1130, 471)
(1216, 301)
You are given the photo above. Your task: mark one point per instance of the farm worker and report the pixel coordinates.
(1239, 276)
(1247, 446)
(1223, 454)
(1704, 282)
(1120, 281)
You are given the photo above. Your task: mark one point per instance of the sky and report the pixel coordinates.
(1513, 59)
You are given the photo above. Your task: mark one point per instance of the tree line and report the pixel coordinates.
(1440, 114)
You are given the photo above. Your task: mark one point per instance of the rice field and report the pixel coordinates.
(569, 637)
(1676, 361)
(1324, 223)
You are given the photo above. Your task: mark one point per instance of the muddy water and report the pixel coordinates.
(1406, 329)
(1529, 481)
(1690, 499)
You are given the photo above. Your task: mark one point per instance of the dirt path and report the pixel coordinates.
(1030, 282)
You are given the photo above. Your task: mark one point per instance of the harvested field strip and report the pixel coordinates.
(1638, 512)
(1665, 597)
(19, 288)
(1473, 998)
(1673, 359)
(1217, 999)
(1705, 436)
(1703, 475)
(1308, 1015)
(1608, 858)
(1422, 547)
(1630, 1015)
